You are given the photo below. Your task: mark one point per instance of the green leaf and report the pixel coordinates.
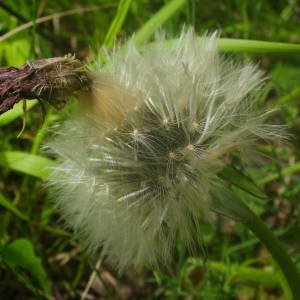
(27, 163)
(16, 52)
(16, 112)
(9, 206)
(285, 77)
(237, 178)
(19, 256)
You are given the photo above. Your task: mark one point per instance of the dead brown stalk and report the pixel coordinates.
(51, 79)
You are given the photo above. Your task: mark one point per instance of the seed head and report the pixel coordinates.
(140, 157)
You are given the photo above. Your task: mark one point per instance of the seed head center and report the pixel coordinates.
(190, 147)
(135, 132)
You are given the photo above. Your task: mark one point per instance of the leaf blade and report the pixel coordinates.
(30, 164)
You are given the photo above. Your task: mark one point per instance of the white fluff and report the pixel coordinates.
(139, 158)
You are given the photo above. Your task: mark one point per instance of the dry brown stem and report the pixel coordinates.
(51, 79)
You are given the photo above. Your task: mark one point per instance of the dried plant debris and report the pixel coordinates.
(52, 79)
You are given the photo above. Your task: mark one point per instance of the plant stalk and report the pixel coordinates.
(238, 210)
(279, 253)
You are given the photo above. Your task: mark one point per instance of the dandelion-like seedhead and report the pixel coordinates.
(140, 157)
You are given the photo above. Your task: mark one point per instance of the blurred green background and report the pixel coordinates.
(41, 260)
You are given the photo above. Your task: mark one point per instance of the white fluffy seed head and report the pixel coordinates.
(139, 160)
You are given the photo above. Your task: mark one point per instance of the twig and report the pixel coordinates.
(91, 280)
(51, 17)
(18, 16)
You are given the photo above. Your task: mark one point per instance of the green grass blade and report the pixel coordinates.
(117, 23)
(294, 95)
(26, 163)
(161, 17)
(287, 171)
(239, 271)
(10, 206)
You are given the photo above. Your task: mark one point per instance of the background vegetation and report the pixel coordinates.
(39, 259)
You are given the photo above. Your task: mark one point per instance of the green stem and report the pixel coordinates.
(251, 46)
(239, 271)
(286, 171)
(278, 252)
(245, 273)
(238, 210)
(41, 133)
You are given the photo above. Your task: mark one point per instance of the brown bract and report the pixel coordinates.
(52, 79)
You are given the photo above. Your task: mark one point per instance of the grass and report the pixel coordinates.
(40, 259)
